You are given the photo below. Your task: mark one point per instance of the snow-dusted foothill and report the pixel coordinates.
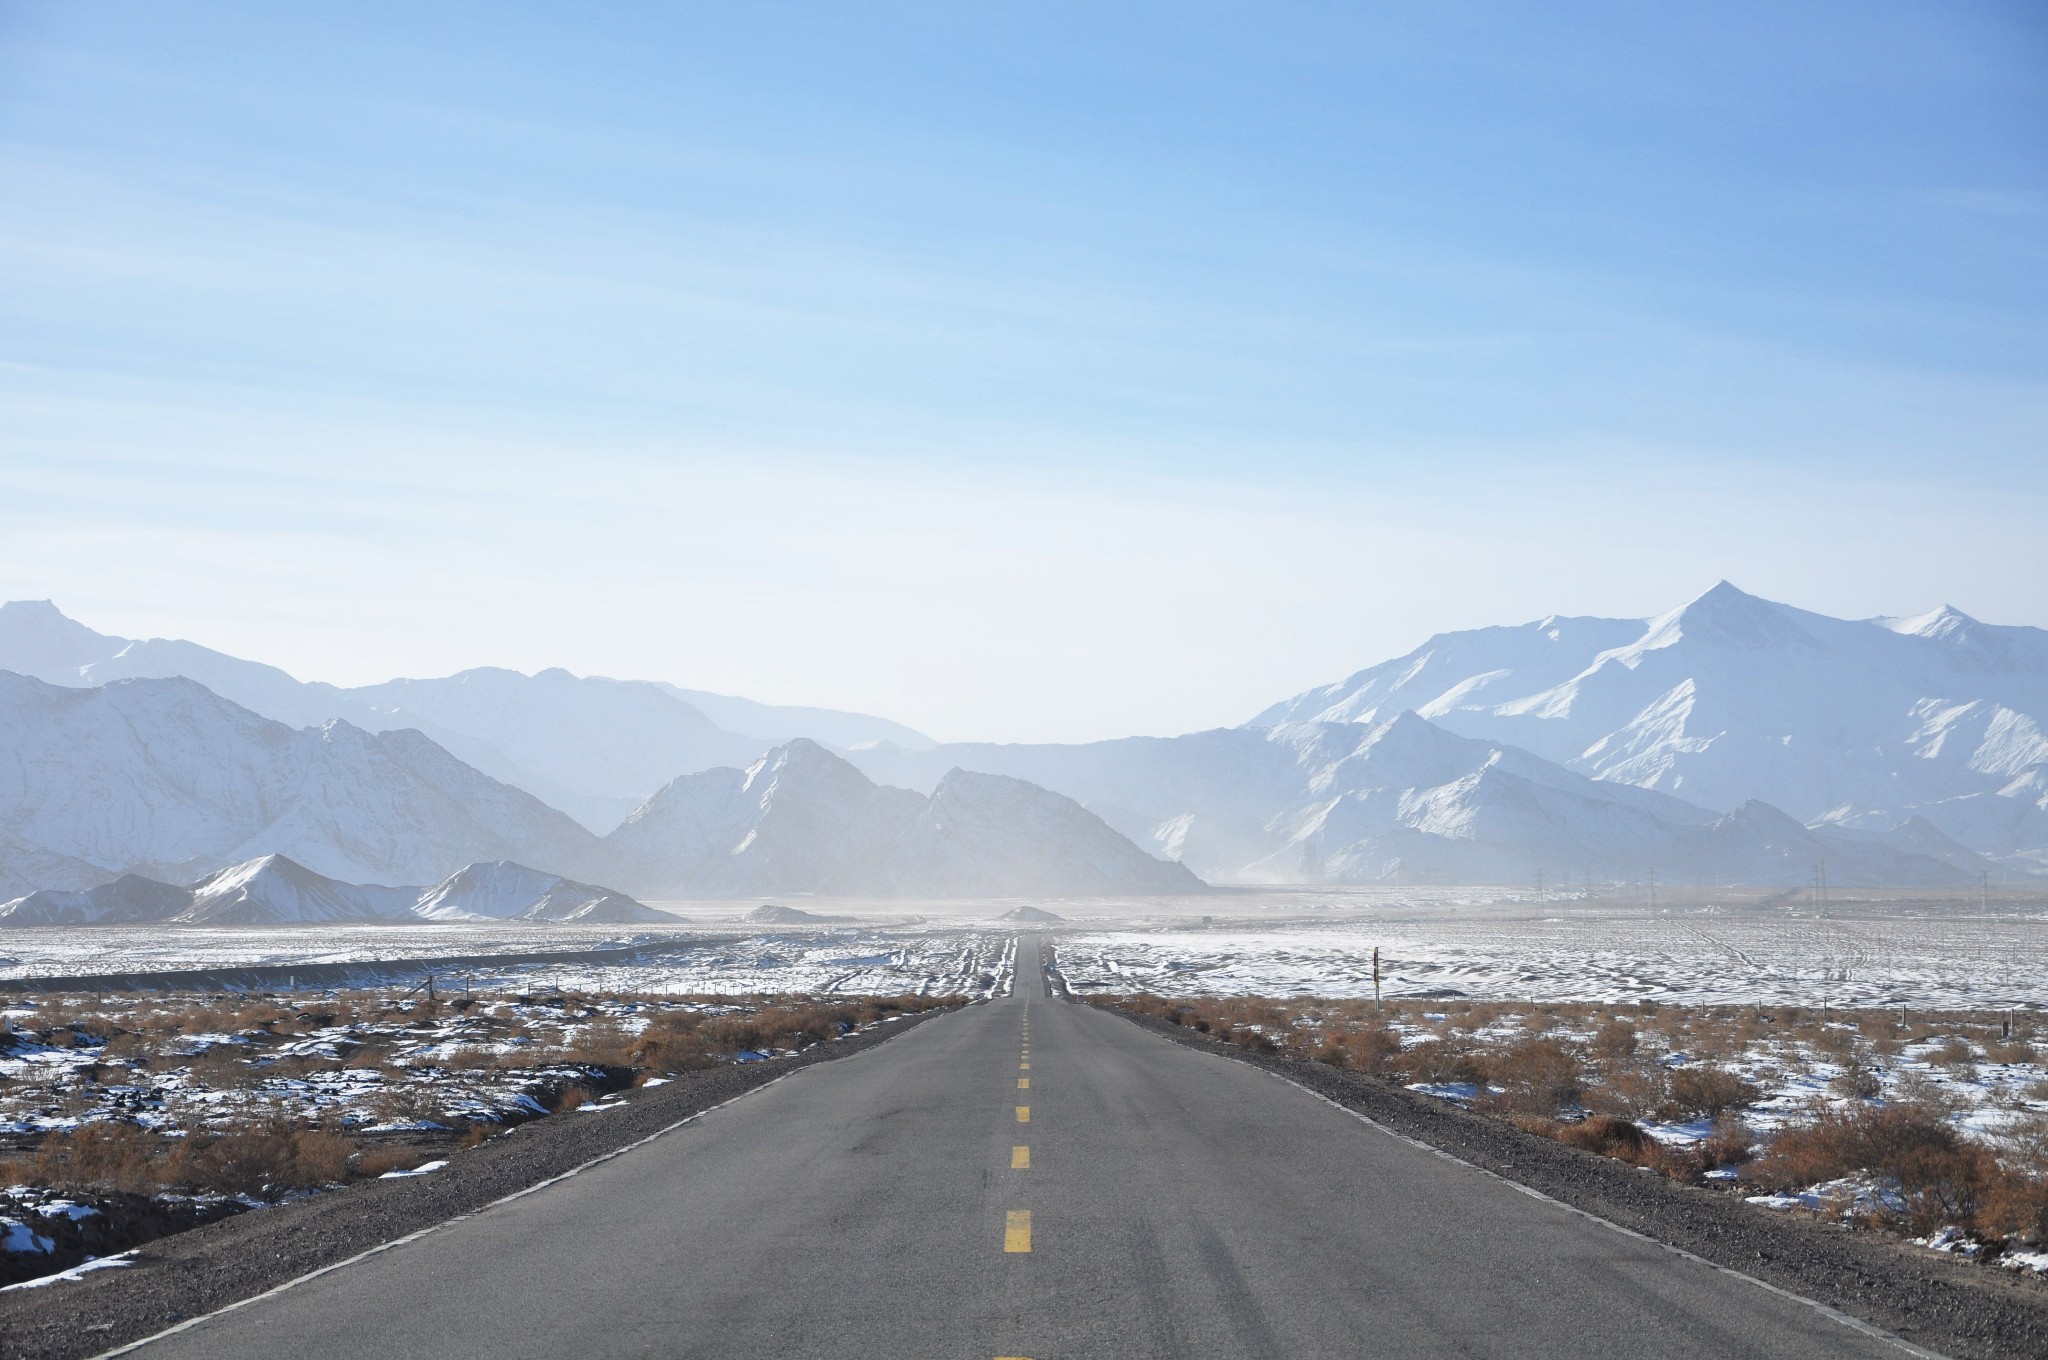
(774, 914)
(129, 900)
(802, 819)
(276, 891)
(1037, 916)
(167, 779)
(502, 891)
(273, 890)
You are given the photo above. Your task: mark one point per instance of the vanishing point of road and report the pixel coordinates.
(1025, 1178)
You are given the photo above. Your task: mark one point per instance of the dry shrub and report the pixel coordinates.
(225, 1067)
(734, 1033)
(1535, 1076)
(1445, 1061)
(1958, 1056)
(2016, 1206)
(573, 1098)
(401, 1099)
(1837, 1041)
(1730, 1143)
(603, 1044)
(672, 1044)
(1941, 1176)
(127, 1047)
(1707, 1091)
(1635, 1089)
(102, 1156)
(204, 1017)
(1608, 1136)
(1914, 1087)
(1615, 1040)
(1605, 1135)
(375, 1161)
(1857, 1082)
(263, 1159)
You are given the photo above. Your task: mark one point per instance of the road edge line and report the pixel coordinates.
(418, 1233)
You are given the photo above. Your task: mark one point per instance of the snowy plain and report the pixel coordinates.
(1695, 947)
(1689, 959)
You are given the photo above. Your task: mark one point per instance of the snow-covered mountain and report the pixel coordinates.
(592, 747)
(166, 778)
(273, 890)
(802, 819)
(988, 835)
(503, 891)
(129, 900)
(1728, 739)
(799, 819)
(1862, 724)
(1405, 800)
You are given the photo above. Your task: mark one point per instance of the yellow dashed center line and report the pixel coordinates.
(1017, 1230)
(1023, 1083)
(1023, 1114)
(1023, 1067)
(1020, 1158)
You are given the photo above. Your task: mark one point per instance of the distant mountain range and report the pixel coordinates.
(164, 780)
(804, 820)
(1728, 698)
(275, 891)
(1730, 739)
(591, 747)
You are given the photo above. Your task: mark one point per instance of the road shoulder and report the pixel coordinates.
(1953, 1307)
(194, 1273)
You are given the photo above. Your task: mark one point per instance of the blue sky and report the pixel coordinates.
(1046, 371)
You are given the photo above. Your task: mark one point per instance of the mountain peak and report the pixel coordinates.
(1946, 624)
(801, 755)
(41, 640)
(1728, 616)
(1725, 597)
(1410, 732)
(263, 866)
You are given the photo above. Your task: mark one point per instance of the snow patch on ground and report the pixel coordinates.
(423, 1169)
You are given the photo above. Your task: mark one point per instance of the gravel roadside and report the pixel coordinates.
(1951, 1306)
(206, 1269)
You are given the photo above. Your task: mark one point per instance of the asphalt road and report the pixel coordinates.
(1137, 1198)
